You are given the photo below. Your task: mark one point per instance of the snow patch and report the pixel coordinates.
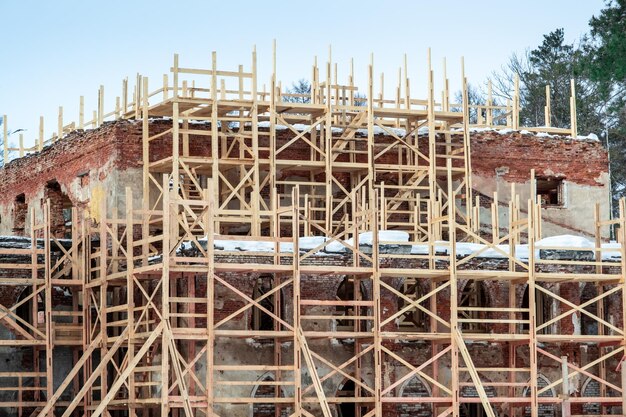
(568, 241)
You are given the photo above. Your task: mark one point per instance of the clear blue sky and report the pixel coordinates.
(55, 51)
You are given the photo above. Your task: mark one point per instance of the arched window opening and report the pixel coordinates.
(25, 310)
(346, 292)
(471, 300)
(543, 311)
(415, 387)
(474, 409)
(268, 389)
(589, 325)
(60, 211)
(592, 388)
(261, 320)
(351, 408)
(414, 318)
(20, 209)
(545, 410)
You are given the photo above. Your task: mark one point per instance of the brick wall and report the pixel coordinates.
(580, 161)
(85, 157)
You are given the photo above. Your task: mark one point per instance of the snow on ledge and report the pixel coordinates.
(424, 130)
(324, 246)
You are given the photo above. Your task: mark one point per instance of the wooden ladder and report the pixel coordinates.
(317, 384)
(473, 373)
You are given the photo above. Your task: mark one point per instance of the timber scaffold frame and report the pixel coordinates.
(271, 170)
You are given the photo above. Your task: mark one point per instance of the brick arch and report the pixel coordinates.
(266, 391)
(345, 292)
(415, 320)
(544, 311)
(485, 288)
(588, 325)
(259, 319)
(545, 410)
(20, 214)
(591, 388)
(25, 310)
(415, 387)
(346, 388)
(473, 293)
(474, 409)
(60, 209)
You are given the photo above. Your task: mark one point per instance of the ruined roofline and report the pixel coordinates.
(264, 126)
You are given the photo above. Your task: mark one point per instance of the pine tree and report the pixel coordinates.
(301, 91)
(608, 46)
(554, 63)
(606, 63)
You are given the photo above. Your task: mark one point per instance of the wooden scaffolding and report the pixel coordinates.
(229, 162)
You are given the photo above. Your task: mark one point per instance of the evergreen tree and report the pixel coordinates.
(301, 90)
(608, 46)
(606, 63)
(554, 63)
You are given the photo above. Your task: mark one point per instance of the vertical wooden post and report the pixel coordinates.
(272, 132)
(130, 295)
(102, 313)
(41, 134)
(210, 301)
(622, 239)
(572, 109)
(5, 139)
(137, 98)
(467, 147)
(256, 175)
(60, 124)
(100, 105)
(516, 102)
(48, 306)
(407, 93)
(297, 325)
(454, 303)
(548, 109)
(145, 135)
(489, 104)
(81, 113)
(21, 145)
(165, 88)
(169, 216)
(215, 154)
(124, 96)
(566, 404)
(445, 105)
(532, 334)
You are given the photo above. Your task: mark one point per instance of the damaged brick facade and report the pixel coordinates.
(86, 167)
(109, 158)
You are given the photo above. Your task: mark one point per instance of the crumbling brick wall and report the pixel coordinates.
(111, 156)
(78, 163)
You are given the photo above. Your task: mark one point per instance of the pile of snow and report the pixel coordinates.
(305, 243)
(565, 241)
(591, 136)
(385, 237)
(612, 250)
(464, 249)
